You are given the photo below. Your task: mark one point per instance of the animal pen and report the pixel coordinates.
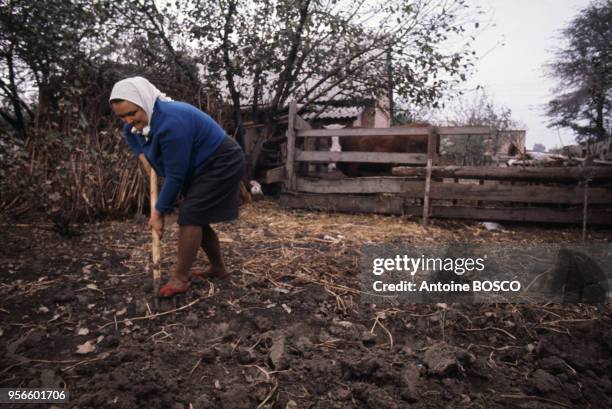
(423, 188)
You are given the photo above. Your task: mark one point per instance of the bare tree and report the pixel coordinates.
(268, 52)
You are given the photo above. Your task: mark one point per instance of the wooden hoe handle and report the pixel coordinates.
(156, 243)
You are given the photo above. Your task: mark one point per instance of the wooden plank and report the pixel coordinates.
(366, 157)
(343, 203)
(362, 132)
(309, 145)
(301, 124)
(309, 142)
(519, 194)
(394, 205)
(249, 137)
(360, 185)
(426, 206)
(435, 148)
(289, 161)
(443, 130)
(431, 150)
(556, 174)
(493, 192)
(532, 214)
(463, 130)
(274, 175)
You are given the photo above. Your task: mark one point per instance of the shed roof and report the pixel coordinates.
(336, 113)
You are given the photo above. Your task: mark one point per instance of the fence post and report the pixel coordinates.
(310, 145)
(431, 147)
(290, 160)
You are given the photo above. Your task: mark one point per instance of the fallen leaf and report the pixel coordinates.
(86, 348)
(286, 308)
(83, 331)
(121, 312)
(43, 309)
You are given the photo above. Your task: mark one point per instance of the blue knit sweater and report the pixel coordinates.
(180, 141)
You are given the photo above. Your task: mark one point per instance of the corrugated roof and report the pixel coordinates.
(332, 112)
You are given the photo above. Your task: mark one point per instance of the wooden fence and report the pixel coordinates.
(557, 195)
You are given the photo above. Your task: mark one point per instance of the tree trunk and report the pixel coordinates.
(229, 77)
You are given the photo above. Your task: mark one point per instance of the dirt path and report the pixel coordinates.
(288, 329)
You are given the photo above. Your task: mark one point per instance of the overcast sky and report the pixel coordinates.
(513, 73)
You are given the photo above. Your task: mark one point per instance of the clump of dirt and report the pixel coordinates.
(287, 330)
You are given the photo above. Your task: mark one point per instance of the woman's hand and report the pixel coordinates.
(145, 163)
(157, 222)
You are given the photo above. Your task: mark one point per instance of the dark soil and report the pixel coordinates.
(286, 331)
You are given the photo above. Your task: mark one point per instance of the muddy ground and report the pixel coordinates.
(288, 329)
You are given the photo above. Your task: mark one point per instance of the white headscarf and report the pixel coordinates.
(139, 91)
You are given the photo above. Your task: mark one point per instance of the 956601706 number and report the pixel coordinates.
(33, 395)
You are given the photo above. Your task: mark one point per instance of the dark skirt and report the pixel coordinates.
(214, 193)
